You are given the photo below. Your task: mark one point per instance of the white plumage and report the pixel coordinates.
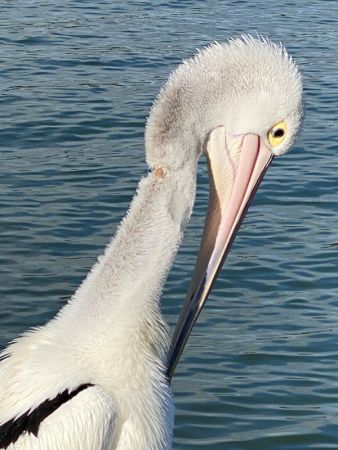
(110, 338)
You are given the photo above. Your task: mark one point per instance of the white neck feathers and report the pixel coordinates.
(124, 286)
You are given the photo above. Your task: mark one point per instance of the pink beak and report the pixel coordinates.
(222, 223)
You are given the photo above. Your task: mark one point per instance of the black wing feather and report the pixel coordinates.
(29, 422)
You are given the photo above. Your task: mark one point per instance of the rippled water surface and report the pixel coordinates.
(77, 81)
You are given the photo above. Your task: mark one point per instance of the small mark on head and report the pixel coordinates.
(160, 172)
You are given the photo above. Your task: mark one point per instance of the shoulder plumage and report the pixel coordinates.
(30, 421)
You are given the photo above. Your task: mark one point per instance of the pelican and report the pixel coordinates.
(96, 377)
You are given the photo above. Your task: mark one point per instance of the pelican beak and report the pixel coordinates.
(234, 180)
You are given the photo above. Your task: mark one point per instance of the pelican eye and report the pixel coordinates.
(277, 134)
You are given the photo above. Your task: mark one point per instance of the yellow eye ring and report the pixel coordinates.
(277, 134)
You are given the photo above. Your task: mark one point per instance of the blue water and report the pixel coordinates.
(77, 80)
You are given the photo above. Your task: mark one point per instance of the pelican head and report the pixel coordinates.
(240, 104)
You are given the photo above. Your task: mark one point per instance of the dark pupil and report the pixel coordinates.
(278, 133)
